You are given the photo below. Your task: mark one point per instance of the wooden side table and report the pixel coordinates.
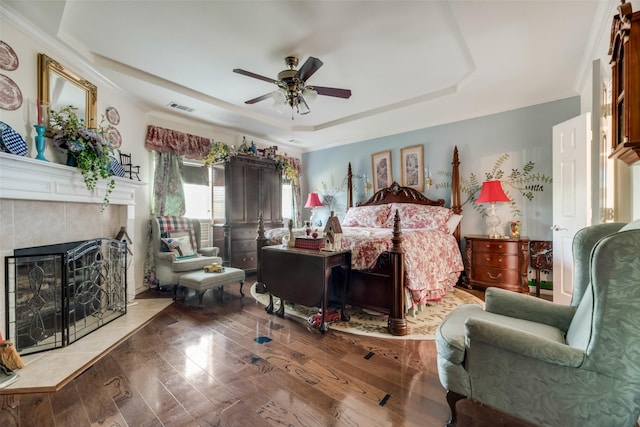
(500, 263)
(303, 276)
(540, 258)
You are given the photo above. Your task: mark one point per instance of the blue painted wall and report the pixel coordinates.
(524, 134)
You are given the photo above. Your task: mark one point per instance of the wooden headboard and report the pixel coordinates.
(396, 193)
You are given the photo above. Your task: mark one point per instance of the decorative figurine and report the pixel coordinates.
(292, 239)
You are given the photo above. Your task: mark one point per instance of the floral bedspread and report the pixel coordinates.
(433, 261)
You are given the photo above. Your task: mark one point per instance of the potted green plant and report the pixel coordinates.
(87, 148)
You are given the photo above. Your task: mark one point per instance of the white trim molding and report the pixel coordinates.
(24, 178)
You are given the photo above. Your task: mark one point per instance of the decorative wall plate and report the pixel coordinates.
(10, 95)
(8, 58)
(115, 139)
(113, 116)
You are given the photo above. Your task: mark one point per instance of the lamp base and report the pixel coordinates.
(493, 221)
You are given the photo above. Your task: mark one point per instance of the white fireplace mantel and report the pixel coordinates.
(24, 178)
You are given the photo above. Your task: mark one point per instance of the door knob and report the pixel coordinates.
(557, 228)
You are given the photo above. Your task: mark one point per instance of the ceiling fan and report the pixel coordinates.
(292, 86)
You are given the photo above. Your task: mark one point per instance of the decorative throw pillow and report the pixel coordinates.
(116, 167)
(420, 216)
(181, 246)
(175, 234)
(11, 141)
(366, 216)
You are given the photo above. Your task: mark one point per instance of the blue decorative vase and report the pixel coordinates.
(40, 142)
(72, 161)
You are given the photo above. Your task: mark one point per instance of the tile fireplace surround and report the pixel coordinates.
(43, 203)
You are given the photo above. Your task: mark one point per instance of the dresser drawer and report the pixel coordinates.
(495, 260)
(244, 233)
(244, 245)
(495, 276)
(495, 246)
(244, 260)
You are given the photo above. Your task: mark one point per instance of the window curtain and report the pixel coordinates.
(296, 164)
(168, 191)
(167, 199)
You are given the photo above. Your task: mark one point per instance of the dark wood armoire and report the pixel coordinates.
(244, 187)
(625, 72)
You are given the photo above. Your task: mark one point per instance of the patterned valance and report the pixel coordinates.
(171, 141)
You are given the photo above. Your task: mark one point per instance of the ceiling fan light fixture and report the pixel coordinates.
(302, 106)
(309, 94)
(292, 89)
(279, 96)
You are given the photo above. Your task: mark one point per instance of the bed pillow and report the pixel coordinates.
(367, 216)
(420, 216)
(181, 246)
(452, 222)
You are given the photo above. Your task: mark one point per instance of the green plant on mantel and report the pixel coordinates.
(527, 182)
(88, 147)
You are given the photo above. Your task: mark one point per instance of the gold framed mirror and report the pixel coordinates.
(61, 87)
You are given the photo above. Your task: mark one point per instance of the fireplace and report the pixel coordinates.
(43, 203)
(56, 294)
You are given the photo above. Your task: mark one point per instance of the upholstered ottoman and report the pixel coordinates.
(201, 281)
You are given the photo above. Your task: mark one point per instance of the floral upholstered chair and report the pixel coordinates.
(551, 364)
(176, 248)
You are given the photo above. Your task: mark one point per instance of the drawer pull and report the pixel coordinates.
(499, 246)
(491, 276)
(487, 259)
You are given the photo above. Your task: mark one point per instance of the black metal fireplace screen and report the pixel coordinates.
(57, 294)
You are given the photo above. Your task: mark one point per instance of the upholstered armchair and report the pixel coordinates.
(170, 264)
(552, 364)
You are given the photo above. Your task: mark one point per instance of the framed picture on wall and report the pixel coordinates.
(381, 168)
(412, 165)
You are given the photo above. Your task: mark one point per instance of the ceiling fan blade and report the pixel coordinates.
(332, 91)
(310, 66)
(258, 99)
(254, 75)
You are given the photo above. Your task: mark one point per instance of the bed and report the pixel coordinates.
(405, 248)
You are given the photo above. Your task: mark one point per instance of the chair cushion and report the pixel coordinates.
(450, 335)
(193, 263)
(579, 332)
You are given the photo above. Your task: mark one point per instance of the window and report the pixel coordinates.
(287, 200)
(197, 193)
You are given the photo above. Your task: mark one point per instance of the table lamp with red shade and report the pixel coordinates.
(313, 201)
(493, 193)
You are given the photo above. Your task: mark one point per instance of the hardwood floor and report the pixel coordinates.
(232, 364)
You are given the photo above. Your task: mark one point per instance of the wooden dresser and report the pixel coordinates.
(501, 263)
(244, 187)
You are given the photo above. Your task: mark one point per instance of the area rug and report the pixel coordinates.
(422, 325)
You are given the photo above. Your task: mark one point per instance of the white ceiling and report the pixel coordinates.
(409, 64)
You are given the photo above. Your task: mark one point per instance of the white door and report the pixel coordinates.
(571, 197)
